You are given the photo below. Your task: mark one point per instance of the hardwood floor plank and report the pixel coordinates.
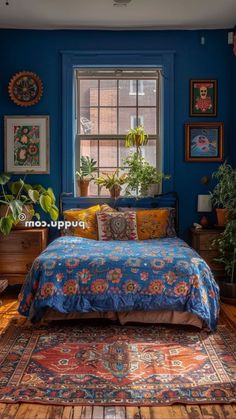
(194, 412)
(98, 412)
(10, 411)
(32, 411)
(228, 411)
(120, 412)
(2, 408)
(86, 412)
(67, 412)
(55, 412)
(109, 412)
(145, 412)
(212, 411)
(132, 412)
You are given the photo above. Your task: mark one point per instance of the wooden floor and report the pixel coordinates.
(34, 411)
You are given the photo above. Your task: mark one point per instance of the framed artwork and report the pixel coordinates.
(203, 97)
(204, 142)
(25, 88)
(26, 144)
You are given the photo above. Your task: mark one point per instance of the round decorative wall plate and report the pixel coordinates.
(25, 88)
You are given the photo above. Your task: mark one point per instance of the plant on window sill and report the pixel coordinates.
(88, 166)
(112, 182)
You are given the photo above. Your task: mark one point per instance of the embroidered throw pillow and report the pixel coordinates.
(117, 226)
(86, 215)
(152, 224)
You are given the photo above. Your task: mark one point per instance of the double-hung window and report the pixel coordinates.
(108, 103)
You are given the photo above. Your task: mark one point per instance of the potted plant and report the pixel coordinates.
(136, 137)
(112, 182)
(17, 198)
(141, 175)
(223, 195)
(88, 166)
(226, 245)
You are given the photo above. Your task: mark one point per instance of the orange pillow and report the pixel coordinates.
(107, 208)
(152, 224)
(88, 216)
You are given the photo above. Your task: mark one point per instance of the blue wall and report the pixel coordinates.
(39, 51)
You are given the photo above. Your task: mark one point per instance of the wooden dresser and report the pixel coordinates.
(18, 251)
(202, 242)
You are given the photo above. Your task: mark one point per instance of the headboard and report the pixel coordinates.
(168, 199)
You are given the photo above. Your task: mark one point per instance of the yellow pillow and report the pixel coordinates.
(152, 224)
(88, 216)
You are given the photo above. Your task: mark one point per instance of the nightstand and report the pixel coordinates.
(202, 242)
(18, 251)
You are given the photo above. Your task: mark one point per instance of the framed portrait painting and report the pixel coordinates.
(204, 142)
(26, 144)
(203, 97)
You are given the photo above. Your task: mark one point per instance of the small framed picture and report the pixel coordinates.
(203, 97)
(204, 142)
(26, 144)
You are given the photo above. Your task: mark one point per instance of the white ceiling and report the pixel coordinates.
(143, 14)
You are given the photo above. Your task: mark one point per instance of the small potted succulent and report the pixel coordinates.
(19, 202)
(136, 137)
(223, 195)
(88, 166)
(112, 182)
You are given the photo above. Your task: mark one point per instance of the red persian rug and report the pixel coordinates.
(131, 365)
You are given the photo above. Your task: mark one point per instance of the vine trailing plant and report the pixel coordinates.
(19, 197)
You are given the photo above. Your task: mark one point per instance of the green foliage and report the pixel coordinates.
(224, 196)
(226, 245)
(111, 180)
(136, 137)
(15, 197)
(224, 193)
(88, 166)
(140, 175)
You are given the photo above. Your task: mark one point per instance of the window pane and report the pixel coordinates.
(125, 119)
(148, 116)
(88, 121)
(88, 93)
(89, 148)
(108, 93)
(124, 152)
(108, 153)
(147, 93)
(108, 120)
(149, 152)
(127, 92)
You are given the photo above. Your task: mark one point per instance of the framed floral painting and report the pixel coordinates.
(203, 97)
(204, 142)
(26, 144)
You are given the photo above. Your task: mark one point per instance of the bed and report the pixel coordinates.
(158, 280)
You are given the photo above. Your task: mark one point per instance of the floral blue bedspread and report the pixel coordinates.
(81, 275)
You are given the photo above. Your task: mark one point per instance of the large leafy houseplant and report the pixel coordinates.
(112, 182)
(223, 195)
(17, 198)
(88, 167)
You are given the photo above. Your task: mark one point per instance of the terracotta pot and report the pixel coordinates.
(115, 191)
(25, 210)
(83, 187)
(222, 216)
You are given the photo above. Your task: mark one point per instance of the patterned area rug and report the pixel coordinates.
(107, 364)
